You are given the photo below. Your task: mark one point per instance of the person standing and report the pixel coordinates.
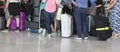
(115, 17)
(2, 7)
(14, 11)
(80, 14)
(49, 14)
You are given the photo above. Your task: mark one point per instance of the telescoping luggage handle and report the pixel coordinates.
(89, 24)
(40, 29)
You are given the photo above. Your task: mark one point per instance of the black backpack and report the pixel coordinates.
(102, 27)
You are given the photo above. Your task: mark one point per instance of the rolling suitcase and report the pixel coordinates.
(2, 18)
(66, 25)
(2, 23)
(13, 24)
(91, 25)
(22, 21)
(36, 21)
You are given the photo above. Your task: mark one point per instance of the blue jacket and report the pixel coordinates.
(82, 3)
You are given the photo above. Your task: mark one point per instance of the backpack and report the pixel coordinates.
(103, 31)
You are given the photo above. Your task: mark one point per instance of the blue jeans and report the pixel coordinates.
(80, 20)
(49, 19)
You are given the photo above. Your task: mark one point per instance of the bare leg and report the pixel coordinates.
(53, 26)
(9, 20)
(17, 21)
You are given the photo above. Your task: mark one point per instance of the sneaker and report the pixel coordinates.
(49, 35)
(86, 38)
(79, 38)
(29, 19)
(115, 36)
(44, 32)
(53, 33)
(5, 30)
(17, 31)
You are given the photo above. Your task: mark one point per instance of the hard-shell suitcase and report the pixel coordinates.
(66, 25)
(2, 22)
(22, 21)
(36, 20)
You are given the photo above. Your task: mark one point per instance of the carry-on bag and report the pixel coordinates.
(101, 29)
(22, 21)
(36, 21)
(66, 25)
(2, 23)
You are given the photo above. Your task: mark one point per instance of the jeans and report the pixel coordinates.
(49, 19)
(80, 20)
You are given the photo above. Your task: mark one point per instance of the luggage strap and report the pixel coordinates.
(104, 28)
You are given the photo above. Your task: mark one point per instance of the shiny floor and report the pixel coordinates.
(34, 42)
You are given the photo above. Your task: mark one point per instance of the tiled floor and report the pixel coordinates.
(33, 42)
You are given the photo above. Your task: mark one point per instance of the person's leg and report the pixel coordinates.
(84, 26)
(17, 20)
(47, 17)
(9, 21)
(77, 16)
(52, 16)
(53, 25)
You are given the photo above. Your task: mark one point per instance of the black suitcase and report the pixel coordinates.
(35, 26)
(91, 26)
(2, 23)
(102, 26)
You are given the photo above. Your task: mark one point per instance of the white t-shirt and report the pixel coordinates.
(15, 1)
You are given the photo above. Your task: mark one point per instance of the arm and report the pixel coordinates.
(99, 3)
(74, 3)
(112, 4)
(57, 2)
(44, 0)
(25, 1)
(19, 0)
(7, 4)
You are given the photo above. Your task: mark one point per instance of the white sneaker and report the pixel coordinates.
(5, 30)
(44, 32)
(53, 33)
(86, 38)
(17, 31)
(49, 35)
(79, 38)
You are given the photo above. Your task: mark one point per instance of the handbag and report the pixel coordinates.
(59, 12)
(91, 11)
